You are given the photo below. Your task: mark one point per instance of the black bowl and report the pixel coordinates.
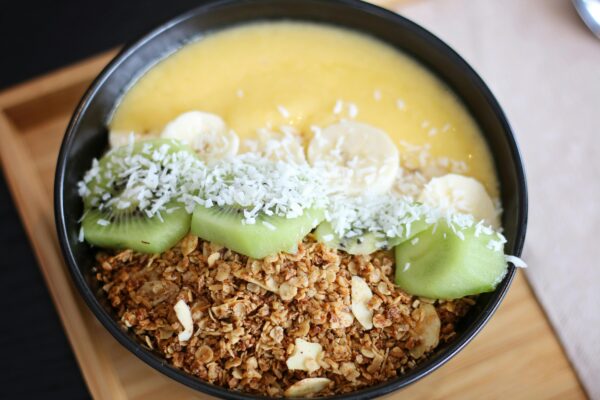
(86, 137)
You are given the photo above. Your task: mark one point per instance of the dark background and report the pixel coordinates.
(38, 37)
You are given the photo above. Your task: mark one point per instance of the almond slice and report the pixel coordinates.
(427, 330)
(304, 356)
(269, 284)
(361, 295)
(306, 387)
(184, 315)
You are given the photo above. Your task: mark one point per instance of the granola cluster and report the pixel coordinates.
(249, 314)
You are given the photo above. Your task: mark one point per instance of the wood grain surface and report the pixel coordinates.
(516, 356)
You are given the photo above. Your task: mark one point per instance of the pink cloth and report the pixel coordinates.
(544, 67)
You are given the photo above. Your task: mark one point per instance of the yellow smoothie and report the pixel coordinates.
(301, 74)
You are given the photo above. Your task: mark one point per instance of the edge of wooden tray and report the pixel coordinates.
(38, 220)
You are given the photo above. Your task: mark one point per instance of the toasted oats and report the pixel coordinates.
(204, 354)
(348, 369)
(188, 244)
(247, 315)
(212, 259)
(223, 272)
(287, 291)
(276, 334)
(302, 328)
(380, 321)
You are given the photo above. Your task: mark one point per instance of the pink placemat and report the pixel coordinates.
(544, 67)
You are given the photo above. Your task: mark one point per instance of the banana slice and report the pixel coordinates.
(206, 133)
(463, 194)
(122, 138)
(355, 158)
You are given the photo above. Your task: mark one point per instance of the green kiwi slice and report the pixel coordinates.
(363, 244)
(113, 212)
(366, 243)
(267, 236)
(438, 264)
(133, 230)
(104, 182)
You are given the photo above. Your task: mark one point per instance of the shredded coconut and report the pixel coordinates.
(269, 225)
(259, 185)
(184, 315)
(516, 261)
(341, 105)
(283, 111)
(338, 107)
(151, 179)
(284, 145)
(392, 216)
(352, 110)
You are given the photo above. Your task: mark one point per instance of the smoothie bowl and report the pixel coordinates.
(291, 199)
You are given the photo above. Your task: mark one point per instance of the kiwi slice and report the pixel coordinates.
(133, 230)
(438, 264)
(363, 244)
(366, 243)
(268, 235)
(113, 216)
(101, 180)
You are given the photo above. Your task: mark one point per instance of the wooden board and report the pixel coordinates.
(516, 356)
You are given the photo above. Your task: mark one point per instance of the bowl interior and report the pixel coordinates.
(86, 138)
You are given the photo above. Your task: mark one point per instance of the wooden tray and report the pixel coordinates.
(516, 356)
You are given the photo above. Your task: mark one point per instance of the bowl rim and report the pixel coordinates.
(159, 363)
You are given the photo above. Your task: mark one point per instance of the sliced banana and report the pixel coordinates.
(206, 133)
(355, 158)
(462, 194)
(122, 138)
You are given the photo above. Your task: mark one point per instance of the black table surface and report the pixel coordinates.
(38, 37)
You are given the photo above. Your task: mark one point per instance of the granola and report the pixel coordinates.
(248, 315)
